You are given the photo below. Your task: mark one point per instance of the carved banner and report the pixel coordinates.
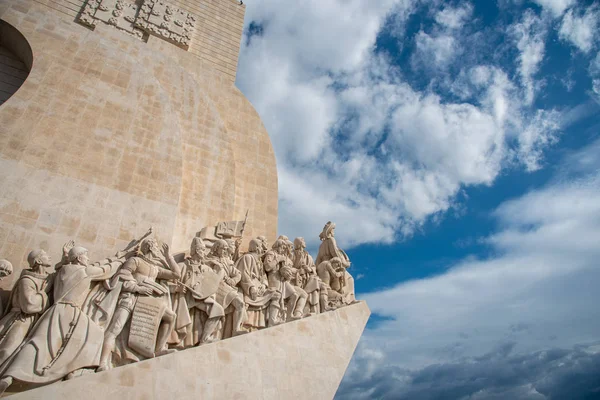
(145, 322)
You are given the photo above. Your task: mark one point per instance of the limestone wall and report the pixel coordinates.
(217, 41)
(109, 135)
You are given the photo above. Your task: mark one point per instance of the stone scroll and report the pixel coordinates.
(145, 322)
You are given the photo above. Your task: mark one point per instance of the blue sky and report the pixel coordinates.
(455, 144)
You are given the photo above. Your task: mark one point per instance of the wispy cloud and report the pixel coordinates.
(356, 142)
(580, 27)
(537, 293)
(556, 7)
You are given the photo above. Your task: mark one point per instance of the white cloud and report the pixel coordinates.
(439, 48)
(594, 69)
(556, 7)
(436, 51)
(530, 37)
(355, 142)
(580, 28)
(454, 17)
(538, 290)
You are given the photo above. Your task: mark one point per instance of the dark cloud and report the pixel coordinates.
(553, 374)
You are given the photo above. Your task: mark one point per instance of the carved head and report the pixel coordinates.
(38, 258)
(230, 246)
(328, 231)
(289, 246)
(220, 248)
(198, 248)
(254, 246)
(6, 268)
(79, 255)
(263, 243)
(336, 262)
(299, 243)
(280, 246)
(150, 245)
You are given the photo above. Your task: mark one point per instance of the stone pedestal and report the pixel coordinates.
(305, 359)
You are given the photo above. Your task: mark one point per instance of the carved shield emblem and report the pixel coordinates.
(145, 322)
(209, 283)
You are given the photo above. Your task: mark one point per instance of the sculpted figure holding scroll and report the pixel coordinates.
(65, 338)
(141, 295)
(198, 312)
(262, 301)
(28, 300)
(228, 295)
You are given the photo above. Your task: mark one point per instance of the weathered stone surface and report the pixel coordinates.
(305, 359)
(109, 135)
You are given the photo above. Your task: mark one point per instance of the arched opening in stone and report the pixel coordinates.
(16, 59)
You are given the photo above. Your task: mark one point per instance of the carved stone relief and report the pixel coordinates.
(78, 317)
(166, 21)
(154, 17)
(118, 13)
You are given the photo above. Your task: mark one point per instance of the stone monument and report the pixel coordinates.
(117, 116)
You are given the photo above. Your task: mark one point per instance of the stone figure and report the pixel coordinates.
(141, 294)
(262, 301)
(228, 296)
(264, 245)
(65, 339)
(278, 267)
(329, 248)
(6, 269)
(334, 274)
(233, 248)
(28, 300)
(307, 278)
(91, 317)
(198, 312)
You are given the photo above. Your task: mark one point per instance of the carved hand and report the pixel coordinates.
(145, 291)
(165, 250)
(181, 288)
(67, 247)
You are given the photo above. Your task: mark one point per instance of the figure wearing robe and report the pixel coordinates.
(263, 302)
(28, 300)
(280, 273)
(341, 281)
(198, 314)
(228, 295)
(138, 276)
(65, 338)
(306, 277)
